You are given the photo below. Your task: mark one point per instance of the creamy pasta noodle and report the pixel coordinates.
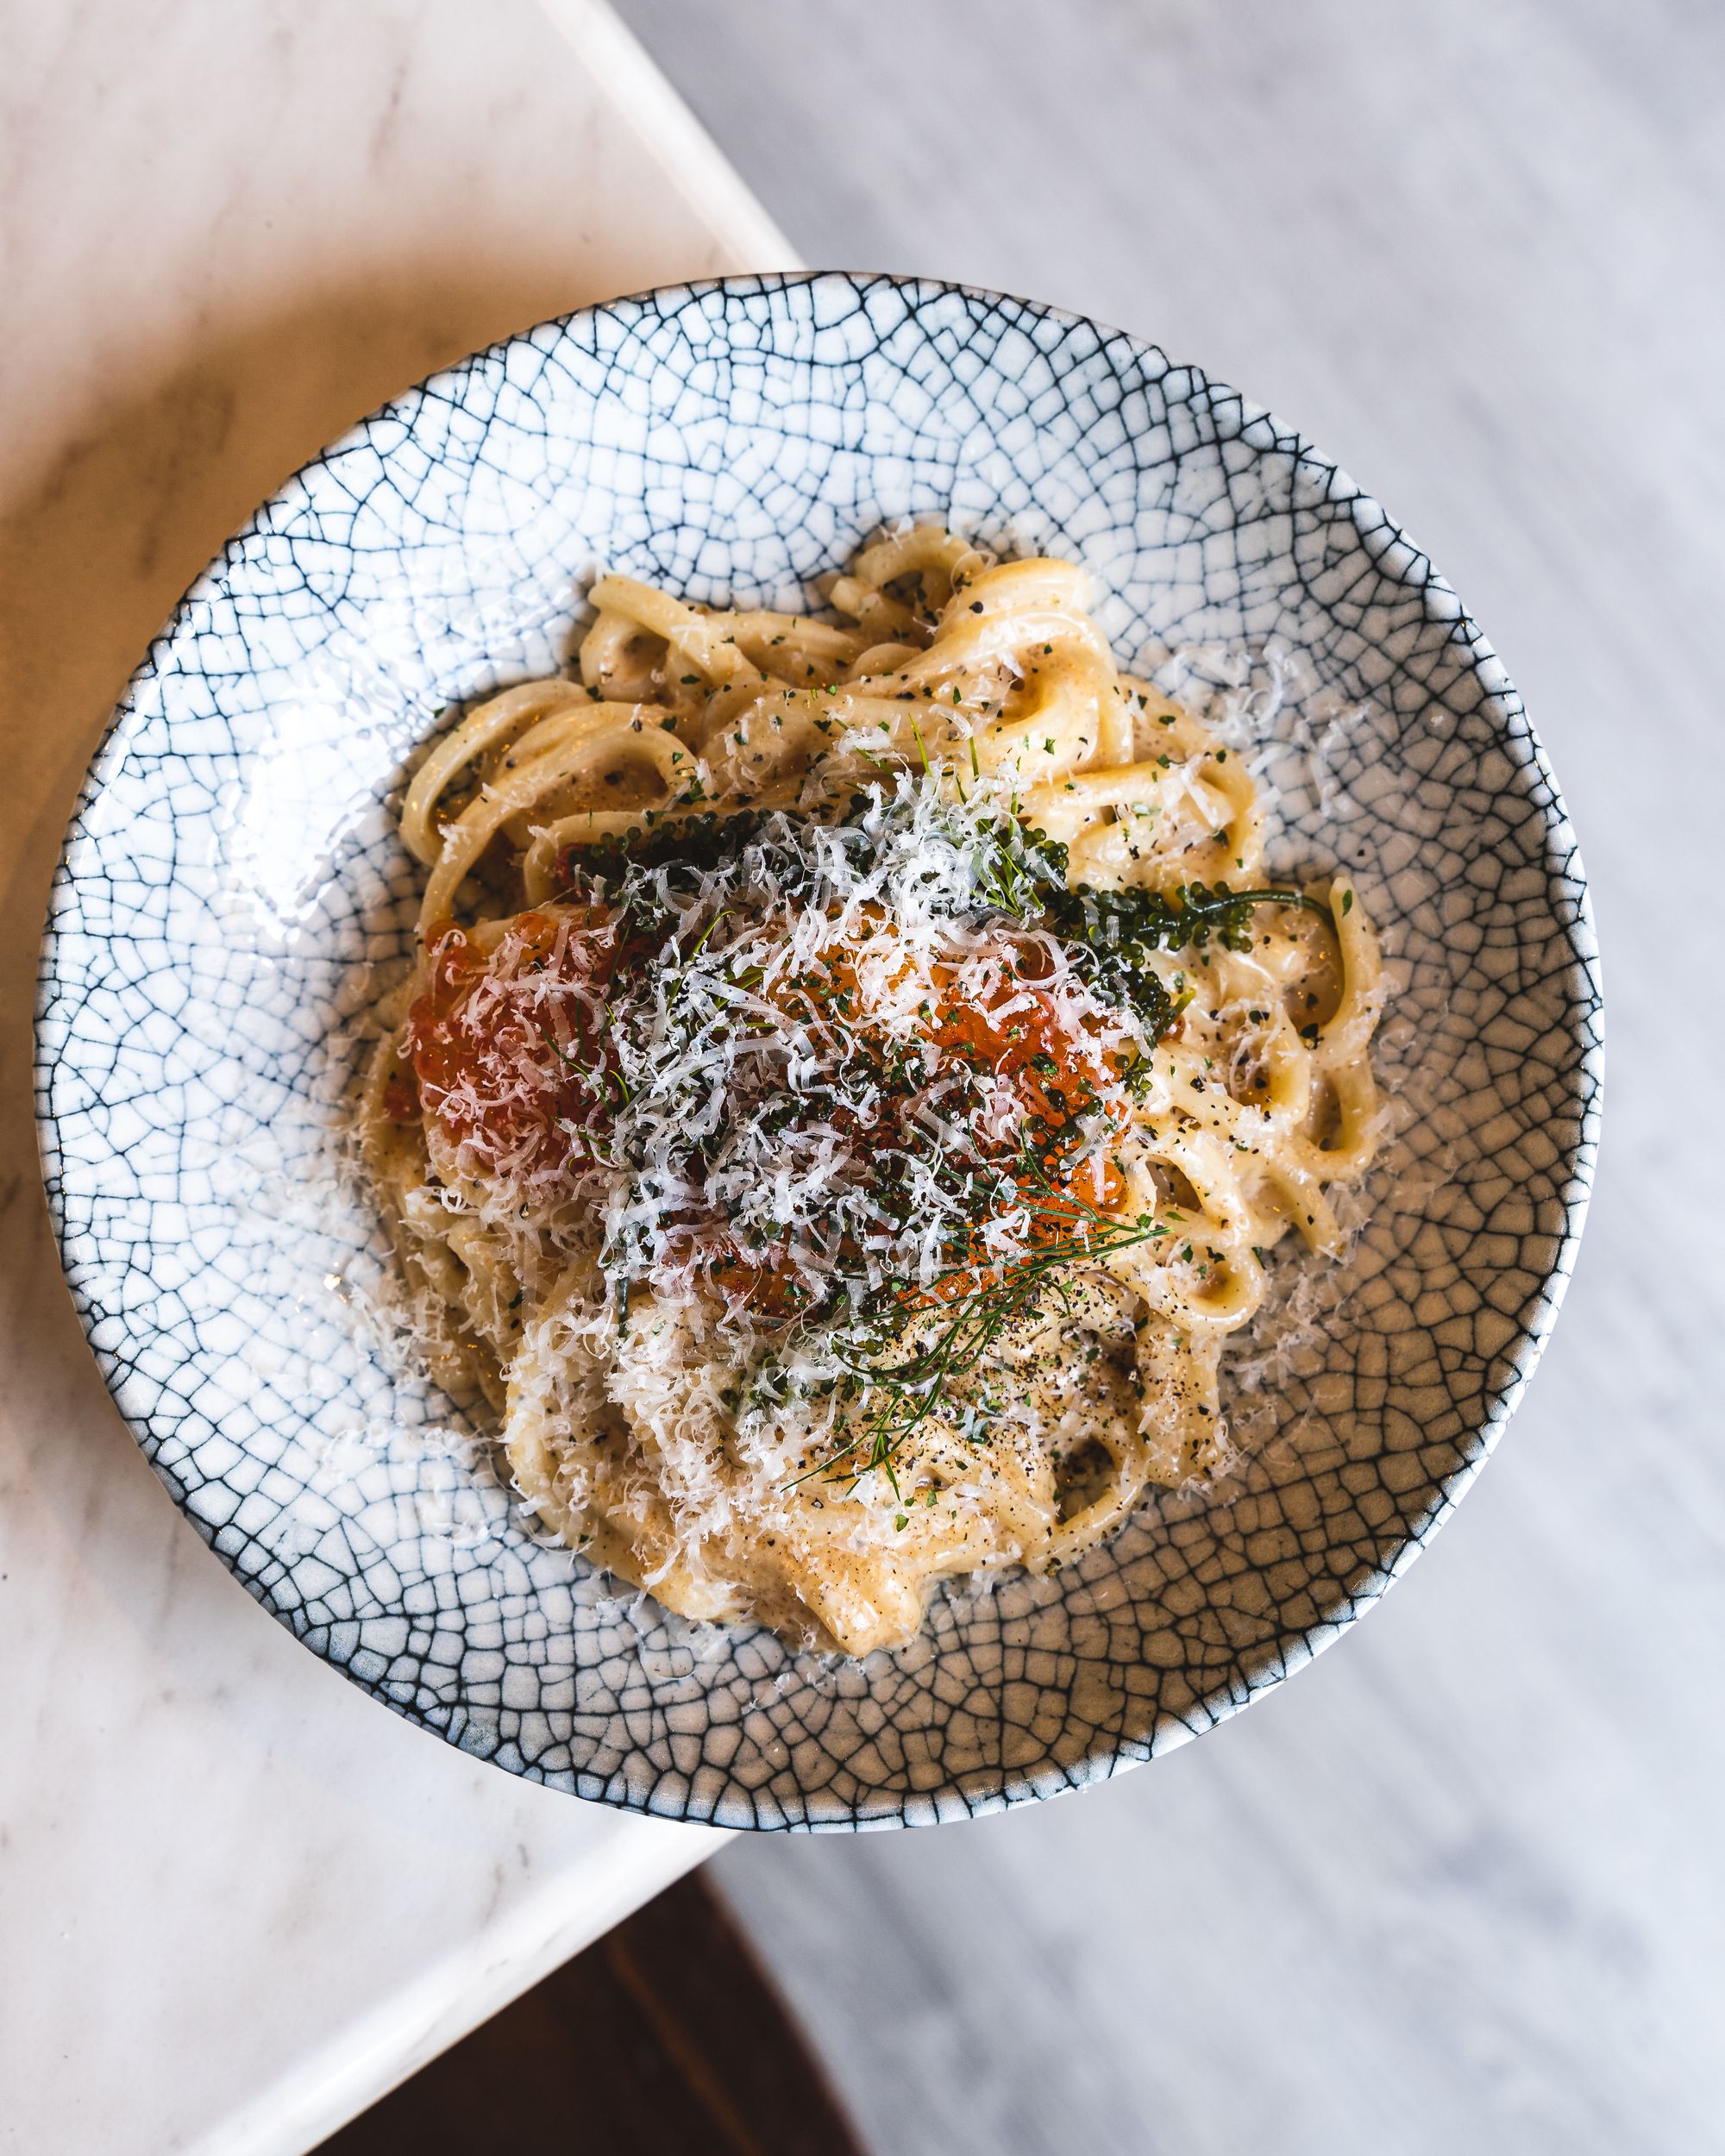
(850, 1080)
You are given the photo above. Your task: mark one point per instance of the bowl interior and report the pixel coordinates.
(233, 899)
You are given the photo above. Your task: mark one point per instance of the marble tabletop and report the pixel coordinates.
(238, 1899)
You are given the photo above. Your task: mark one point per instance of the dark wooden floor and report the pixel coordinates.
(664, 2039)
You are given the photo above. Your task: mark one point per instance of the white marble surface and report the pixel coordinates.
(1459, 1886)
(237, 1898)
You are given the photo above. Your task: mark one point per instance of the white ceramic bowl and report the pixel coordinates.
(233, 896)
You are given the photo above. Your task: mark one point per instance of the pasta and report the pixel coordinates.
(853, 1074)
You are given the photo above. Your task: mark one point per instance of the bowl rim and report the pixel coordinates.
(1001, 1788)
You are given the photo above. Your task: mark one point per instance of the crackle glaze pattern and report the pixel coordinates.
(232, 898)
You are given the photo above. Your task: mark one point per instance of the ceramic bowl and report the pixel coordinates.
(232, 898)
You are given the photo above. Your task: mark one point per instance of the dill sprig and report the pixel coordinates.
(974, 1317)
(1111, 934)
(1025, 871)
(1184, 918)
